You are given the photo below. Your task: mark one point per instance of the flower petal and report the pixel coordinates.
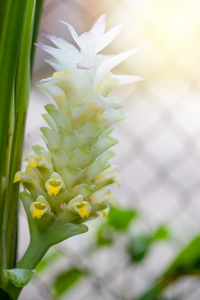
(63, 56)
(114, 81)
(112, 62)
(103, 196)
(107, 38)
(61, 43)
(99, 26)
(55, 64)
(72, 31)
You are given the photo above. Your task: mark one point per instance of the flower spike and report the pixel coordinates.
(69, 181)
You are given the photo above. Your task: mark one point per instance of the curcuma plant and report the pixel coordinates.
(67, 183)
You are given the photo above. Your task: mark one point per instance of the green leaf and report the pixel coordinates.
(21, 99)
(120, 219)
(152, 294)
(4, 295)
(105, 235)
(38, 11)
(20, 277)
(187, 262)
(48, 260)
(138, 247)
(161, 234)
(66, 280)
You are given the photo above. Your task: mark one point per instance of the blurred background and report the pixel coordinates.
(158, 154)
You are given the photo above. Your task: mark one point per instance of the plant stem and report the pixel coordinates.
(36, 250)
(11, 33)
(21, 105)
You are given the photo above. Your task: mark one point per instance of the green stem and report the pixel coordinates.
(10, 36)
(36, 250)
(21, 105)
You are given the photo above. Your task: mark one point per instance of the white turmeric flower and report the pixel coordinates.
(54, 184)
(70, 180)
(77, 204)
(39, 207)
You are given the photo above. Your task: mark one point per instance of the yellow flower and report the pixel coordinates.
(107, 177)
(18, 176)
(77, 204)
(103, 196)
(39, 207)
(54, 184)
(32, 160)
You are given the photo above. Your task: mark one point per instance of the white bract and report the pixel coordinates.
(69, 181)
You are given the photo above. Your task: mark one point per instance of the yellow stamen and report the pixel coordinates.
(16, 179)
(53, 191)
(32, 165)
(37, 214)
(83, 212)
(39, 207)
(54, 184)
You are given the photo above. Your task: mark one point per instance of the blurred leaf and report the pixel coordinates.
(138, 247)
(151, 294)
(105, 235)
(4, 295)
(48, 259)
(20, 277)
(161, 234)
(187, 262)
(120, 218)
(38, 11)
(66, 280)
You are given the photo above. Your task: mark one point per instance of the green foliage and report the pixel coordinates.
(120, 219)
(105, 235)
(20, 277)
(48, 259)
(187, 262)
(161, 234)
(4, 295)
(66, 280)
(139, 245)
